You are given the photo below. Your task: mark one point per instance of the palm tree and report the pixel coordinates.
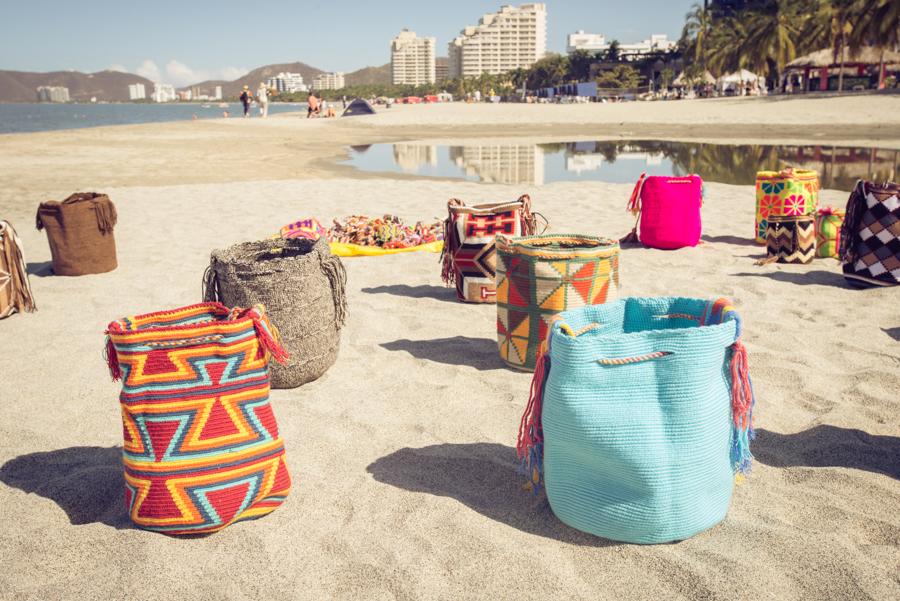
(771, 36)
(580, 65)
(613, 54)
(695, 35)
(879, 25)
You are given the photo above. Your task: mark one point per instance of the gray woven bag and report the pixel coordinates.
(301, 285)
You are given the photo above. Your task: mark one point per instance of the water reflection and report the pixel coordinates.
(623, 161)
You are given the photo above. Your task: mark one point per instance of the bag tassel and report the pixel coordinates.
(112, 360)
(269, 339)
(106, 215)
(634, 206)
(446, 259)
(337, 276)
(530, 443)
(634, 203)
(742, 402)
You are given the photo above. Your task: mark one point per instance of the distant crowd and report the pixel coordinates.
(317, 107)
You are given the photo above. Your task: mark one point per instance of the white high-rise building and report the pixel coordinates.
(163, 92)
(53, 94)
(218, 94)
(511, 38)
(412, 59)
(328, 81)
(136, 91)
(287, 82)
(592, 42)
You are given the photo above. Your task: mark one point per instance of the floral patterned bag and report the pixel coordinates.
(790, 192)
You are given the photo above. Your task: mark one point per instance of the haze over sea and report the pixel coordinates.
(20, 118)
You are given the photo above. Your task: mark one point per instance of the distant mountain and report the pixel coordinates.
(255, 77)
(21, 86)
(369, 75)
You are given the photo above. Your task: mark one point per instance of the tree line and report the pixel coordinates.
(552, 70)
(769, 34)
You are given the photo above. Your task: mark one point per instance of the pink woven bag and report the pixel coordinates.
(669, 209)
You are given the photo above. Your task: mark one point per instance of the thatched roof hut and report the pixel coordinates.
(825, 58)
(705, 78)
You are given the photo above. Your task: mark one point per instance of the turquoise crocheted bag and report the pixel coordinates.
(640, 415)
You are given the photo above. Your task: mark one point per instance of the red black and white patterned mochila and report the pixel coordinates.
(870, 235)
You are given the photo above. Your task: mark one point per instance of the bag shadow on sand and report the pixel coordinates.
(480, 353)
(483, 477)
(441, 293)
(829, 446)
(86, 482)
(816, 277)
(40, 269)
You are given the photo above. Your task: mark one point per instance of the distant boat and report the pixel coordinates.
(205, 106)
(223, 105)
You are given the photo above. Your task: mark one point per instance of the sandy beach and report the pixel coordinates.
(403, 458)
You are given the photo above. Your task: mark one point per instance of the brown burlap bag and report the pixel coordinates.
(80, 232)
(302, 286)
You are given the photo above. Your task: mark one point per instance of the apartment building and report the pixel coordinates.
(595, 42)
(441, 68)
(287, 82)
(163, 92)
(137, 91)
(511, 38)
(328, 81)
(53, 94)
(412, 59)
(592, 42)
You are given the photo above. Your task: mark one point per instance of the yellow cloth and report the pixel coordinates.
(355, 250)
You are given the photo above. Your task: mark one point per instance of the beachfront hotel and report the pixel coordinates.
(53, 94)
(412, 59)
(511, 38)
(328, 81)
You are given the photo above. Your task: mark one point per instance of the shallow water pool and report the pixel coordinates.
(623, 161)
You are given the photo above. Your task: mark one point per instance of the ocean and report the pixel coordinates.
(21, 118)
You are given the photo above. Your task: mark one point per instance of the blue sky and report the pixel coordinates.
(186, 41)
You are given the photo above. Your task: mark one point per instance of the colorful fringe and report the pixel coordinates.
(530, 443)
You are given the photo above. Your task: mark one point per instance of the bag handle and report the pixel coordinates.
(266, 334)
(210, 290)
(634, 359)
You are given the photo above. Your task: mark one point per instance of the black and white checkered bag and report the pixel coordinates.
(870, 235)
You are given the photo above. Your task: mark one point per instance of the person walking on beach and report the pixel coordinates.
(312, 104)
(246, 97)
(262, 98)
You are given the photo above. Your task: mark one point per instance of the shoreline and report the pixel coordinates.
(288, 146)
